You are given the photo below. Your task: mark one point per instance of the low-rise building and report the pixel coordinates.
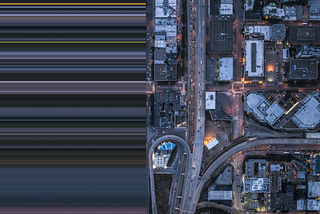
(254, 58)
(301, 204)
(304, 34)
(313, 204)
(256, 168)
(167, 104)
(293, 12)
(313, 189)
(258, 30)
(303, 69)
(219, 195)
(226, 9)
(308, 117)
(225, 69)
(261, 108)
(314, 10)
(273, 12)
(221, 35)
(256, 185)
(210, 100)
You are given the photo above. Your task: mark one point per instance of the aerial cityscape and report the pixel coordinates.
(233, 106)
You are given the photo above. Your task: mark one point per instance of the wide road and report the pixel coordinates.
(183, 146)
(223, 159)
(199, 128)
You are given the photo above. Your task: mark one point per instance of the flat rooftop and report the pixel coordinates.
(304, 34)
(254, 58)
(221, 35)
(303, 69)
(210, 100)
(225, 69)
(309, 115)
(219, 195)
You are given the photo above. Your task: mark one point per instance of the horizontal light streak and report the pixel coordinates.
(91, 42)
(89, 4)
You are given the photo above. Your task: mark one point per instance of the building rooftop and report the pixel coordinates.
(273, 12)
(313, 189)
(301, 204)
(303, 69)
(226, 9)
(308, 116)
(254, 58)
(258, 30)
(275, 167)
(252, 15)
(225, 69)
(219, 195)
(225, 178)
(160, 41)
(278, 32)
(293, 12)
(274, 112)
(257, 104)
(314, 10)
(212, 143)
(167, 146)
(160, 55)
(211, 70)
(313, 204)
(210, 100)
(304, 34)
(221, 35)
(166, 103)
(256, 168)
(248, 5)
(257, 185)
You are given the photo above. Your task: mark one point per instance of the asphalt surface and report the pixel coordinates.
(199, 129)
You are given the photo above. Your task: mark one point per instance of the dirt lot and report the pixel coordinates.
(162, 188)
(223, 131)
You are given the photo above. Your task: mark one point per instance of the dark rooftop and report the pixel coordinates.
(303, 69)
(304, 34)
(221, 35)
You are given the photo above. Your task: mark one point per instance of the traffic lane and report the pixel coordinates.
(72, 87)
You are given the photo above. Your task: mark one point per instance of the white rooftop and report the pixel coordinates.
(210, 100)
(253, 100)
(248, 5)
(160, 41)
(225, 69)
(313, 135)
(256, 30)
(313, 204)
(161, 160)
(212, 143)
(220, 195)
(226, 9)
(301, 204)
(309, 115)
(274, 112)
(273, 11)
(226, 2)
(313, 189)
(259, 57)
(275, 167)
(163, 12)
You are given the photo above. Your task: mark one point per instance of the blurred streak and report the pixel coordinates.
(72, 107)
(85, 4)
